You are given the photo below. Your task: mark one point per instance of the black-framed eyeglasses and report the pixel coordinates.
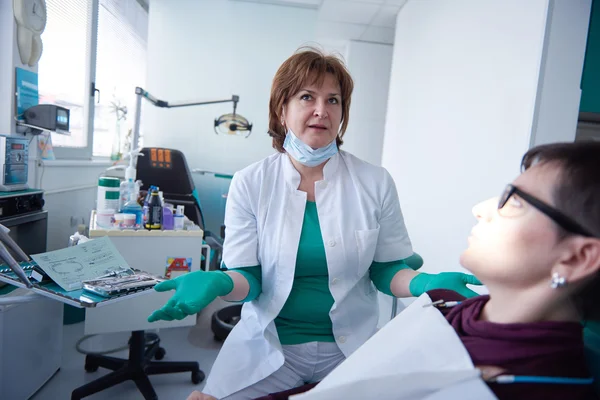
(558, 217)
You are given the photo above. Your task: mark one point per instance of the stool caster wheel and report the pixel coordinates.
(197, 377)
(91, 367)
(160, 353)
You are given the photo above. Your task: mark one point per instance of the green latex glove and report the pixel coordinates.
(455, 281)
(193, 292)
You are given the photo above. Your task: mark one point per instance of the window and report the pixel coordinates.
(62, 69)
(100, 44)
(120, 67)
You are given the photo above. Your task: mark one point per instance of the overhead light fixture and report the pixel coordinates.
(231, 124)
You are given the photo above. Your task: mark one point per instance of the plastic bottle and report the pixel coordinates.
(167, 217)
(178, 219)
(133, 207)
(108, 193)
(146, 207)
(155, 212)
(128, 186)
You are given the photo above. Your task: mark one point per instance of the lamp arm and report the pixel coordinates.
(141, 93)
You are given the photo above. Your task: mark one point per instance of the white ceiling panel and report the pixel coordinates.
(348, 11)
(378, 34)
(289, 3)
(386, 16)
(366, 1)
(396, 2)
(340, 30)
(342, 20)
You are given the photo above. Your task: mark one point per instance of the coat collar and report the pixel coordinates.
(292, 176)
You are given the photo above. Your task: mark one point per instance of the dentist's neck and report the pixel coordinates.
(311, 174)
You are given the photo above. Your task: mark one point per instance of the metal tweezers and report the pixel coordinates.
(443, 304)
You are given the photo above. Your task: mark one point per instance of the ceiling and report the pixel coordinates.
(366, 20)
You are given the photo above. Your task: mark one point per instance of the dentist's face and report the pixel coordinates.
(314, 114)
(518, 245)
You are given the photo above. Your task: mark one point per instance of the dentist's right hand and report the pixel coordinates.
(193, 292)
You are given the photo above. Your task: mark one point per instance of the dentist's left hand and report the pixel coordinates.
(455, 281)
(193, 292)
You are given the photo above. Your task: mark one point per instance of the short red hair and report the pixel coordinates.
(307, 66)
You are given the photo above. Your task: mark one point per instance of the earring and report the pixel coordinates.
(557, 281)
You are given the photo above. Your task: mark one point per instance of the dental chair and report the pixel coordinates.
(168, 169)
(591, 338)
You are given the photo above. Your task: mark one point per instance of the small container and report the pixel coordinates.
(108, 193)
(119, 220)
(167, 217)
(105, 218)
(155, 212)
(178, 218)
(128, 221)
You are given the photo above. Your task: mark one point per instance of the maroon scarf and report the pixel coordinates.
(539, 348)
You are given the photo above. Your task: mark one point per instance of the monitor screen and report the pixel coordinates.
(62, 117)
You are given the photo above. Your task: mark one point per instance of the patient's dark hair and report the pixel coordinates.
(576, 194)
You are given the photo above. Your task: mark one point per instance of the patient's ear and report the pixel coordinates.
(580, 259)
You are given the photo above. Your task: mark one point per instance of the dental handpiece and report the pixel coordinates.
(6, 239)
(10, 261)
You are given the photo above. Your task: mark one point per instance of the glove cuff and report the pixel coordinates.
(223, 283)
(418, 284)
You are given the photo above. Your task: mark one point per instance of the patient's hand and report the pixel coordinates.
(196, 395)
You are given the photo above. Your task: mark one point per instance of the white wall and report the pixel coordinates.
(70, 189)
(214, 61)
(463, 96)
(370, 65)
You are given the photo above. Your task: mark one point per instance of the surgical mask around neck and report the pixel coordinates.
(305, 154)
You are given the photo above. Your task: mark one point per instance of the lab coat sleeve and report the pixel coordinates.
(240, 248)
(393, 242)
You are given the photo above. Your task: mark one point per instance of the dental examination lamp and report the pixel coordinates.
(230, 124)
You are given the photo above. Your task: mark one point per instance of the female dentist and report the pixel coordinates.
(311, 231)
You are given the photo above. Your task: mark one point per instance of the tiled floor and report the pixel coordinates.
(181, 344)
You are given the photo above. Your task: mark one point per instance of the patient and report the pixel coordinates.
(537, 249)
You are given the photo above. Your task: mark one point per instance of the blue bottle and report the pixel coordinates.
(132, 207)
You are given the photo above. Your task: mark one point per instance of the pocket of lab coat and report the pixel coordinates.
(366, 240)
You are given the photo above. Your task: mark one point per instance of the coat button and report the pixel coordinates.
(323, 184)
(342, 339)
(334, 281)
(331, 243)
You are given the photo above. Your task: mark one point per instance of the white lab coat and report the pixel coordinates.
(361, 222)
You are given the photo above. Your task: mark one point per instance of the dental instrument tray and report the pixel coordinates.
(126, 283)
(80, 298)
